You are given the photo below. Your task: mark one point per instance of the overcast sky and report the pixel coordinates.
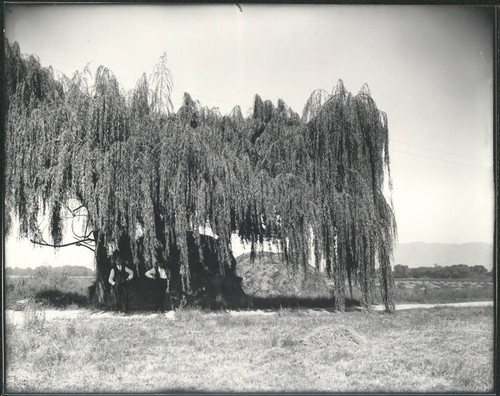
(429, 68)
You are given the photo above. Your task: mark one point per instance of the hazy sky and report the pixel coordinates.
(429, 68)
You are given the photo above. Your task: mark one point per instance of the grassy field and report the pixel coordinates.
(433, 350)
(442, 290)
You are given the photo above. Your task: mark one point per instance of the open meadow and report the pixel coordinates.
(443, 290)
(424, 350)
(307, 348)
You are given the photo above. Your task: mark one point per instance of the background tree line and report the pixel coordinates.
(457, 271)
(70, 270)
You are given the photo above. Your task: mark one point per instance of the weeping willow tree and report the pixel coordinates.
(348, 137)
(147, 179)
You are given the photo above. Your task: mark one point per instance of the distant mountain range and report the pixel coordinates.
(422, 254)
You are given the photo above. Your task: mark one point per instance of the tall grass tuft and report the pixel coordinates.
(189, 314)
(34, 317)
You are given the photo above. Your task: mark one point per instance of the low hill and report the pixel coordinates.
(268, 275)
(421, 254)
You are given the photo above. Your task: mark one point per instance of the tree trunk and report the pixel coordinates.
(387, 285)
(339, 277)
(100, 290)
(349, 279)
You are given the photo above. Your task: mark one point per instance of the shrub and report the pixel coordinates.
(57, 298)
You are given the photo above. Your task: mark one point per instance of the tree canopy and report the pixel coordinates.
(133, 167)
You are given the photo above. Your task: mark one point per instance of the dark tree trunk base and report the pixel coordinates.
(209, 287)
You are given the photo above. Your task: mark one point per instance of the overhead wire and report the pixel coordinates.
(434, 149)
(441, 159)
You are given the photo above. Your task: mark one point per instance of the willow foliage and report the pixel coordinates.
(140, 171)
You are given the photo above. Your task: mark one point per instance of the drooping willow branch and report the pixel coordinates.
(81, 242)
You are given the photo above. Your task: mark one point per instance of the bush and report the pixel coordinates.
(59, 299)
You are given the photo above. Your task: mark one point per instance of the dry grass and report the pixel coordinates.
(431, 350)
(443, 291)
